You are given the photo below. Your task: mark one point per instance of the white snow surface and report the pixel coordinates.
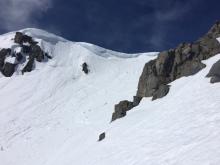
(54, 114)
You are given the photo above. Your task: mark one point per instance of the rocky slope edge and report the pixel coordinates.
(185, 60)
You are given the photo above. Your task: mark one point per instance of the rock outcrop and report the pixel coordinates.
(37, 53)
(121, 109)
(29, 66)
(8, 69)
(123, 106)
(185, 60)
(3, 54)
(24, 49)
(214, 73)
(20, 39)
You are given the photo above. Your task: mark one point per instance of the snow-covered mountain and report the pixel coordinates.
(54, 114)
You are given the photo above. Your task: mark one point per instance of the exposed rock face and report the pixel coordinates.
(29, 66)
(37, 53)
(3, 54)
(8, 69)
(30, 50)
(136, 100)
(124, 106)
(170, 65)
(121, 109)
(149, 81)
(26, 49)
(214, 32)
(18, 56)
(20, 38)
(161, 91)
(101, 136)
(214, 72)
(185, 60)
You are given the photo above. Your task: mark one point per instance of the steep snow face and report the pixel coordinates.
(40, 111)
(54, 114)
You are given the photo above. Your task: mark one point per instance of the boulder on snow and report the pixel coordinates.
(21, 38)
(85, 68)
(101, 136)
(214, 72)
(121, 109)
(3, 54)
(124, 106)
(8, 69)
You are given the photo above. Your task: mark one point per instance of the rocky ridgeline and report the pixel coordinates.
(25, 51)
(185, 60)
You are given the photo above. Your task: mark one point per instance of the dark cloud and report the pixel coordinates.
(123, 25)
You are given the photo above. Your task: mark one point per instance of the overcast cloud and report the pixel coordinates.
(16, 14)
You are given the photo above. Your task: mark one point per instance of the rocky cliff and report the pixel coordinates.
(185, 60)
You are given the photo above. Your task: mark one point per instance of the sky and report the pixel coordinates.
(122, 25)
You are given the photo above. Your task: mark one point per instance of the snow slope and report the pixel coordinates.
(54, 114)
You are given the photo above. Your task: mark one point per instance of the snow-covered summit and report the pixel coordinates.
(62, 51)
